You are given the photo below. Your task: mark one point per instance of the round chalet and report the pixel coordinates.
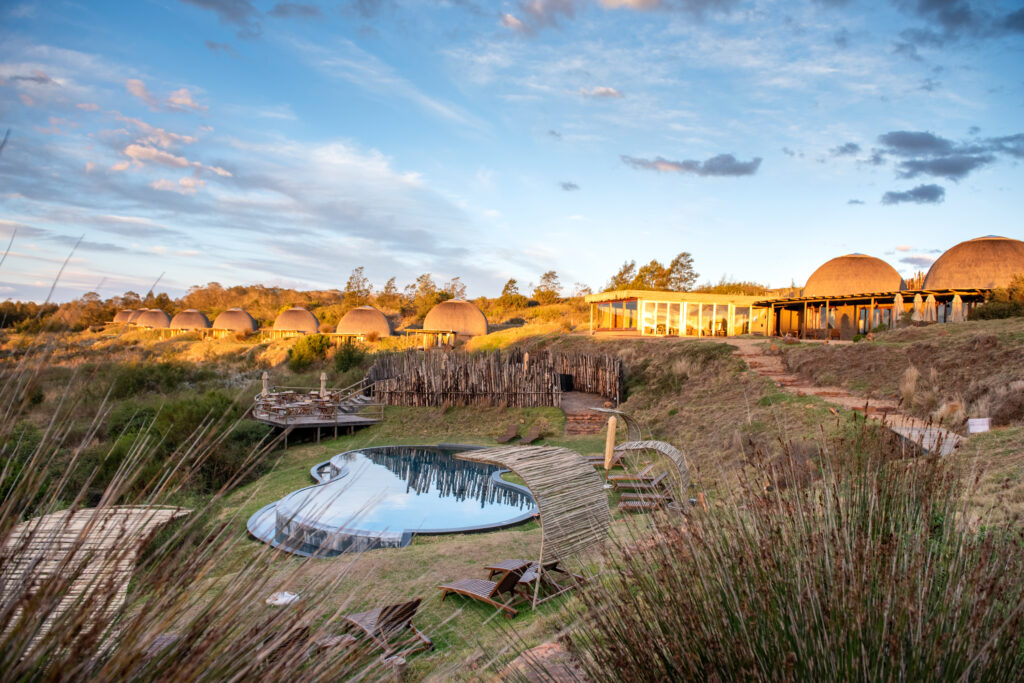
(853, 274)
(364, 320)
(297, 320)
(153, 318)
(235, 320)
(123, 316)
(458, 316)
(190, 319)
(981, 263)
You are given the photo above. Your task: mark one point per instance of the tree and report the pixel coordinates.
(456, 288)
(424, 294)
(547, 292)
(580, 289)
(357, 289)
(510, 296)
(623, 278)
(679, 276)
(389, 297)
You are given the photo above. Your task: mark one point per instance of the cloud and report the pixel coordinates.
(181, 99)
(226, 48)
(510, 22)
(238, 13)
(293, 10)
(922, 194)
(845, 149)
(137, 88)
(569, 186)
(855, 202)
(954, 167)
(184, 185)
(38, 77)
(26, 100)
(918, 261)
(156, 136)
(88, 106)
(913, 143)
(140, 155)
(721, 165)
(601, 92)
(554, 134)
(930, 85)
(903, 247)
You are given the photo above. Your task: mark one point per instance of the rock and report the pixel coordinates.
(546, 662)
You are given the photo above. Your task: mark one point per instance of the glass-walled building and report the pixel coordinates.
(675, 314)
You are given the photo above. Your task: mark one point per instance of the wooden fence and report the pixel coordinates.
(513, 378)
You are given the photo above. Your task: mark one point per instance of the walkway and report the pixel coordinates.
(913, 429)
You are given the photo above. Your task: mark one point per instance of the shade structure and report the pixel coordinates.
(918, 314)
(235, 320)
(957, 314)
(929, 309)
(458, 316)
(153, 318)
(297, 319)
(853, 274)
(190, 319)
(123, 316)
(897, 309)
(363, 321)
(573, 507)
(981, 263)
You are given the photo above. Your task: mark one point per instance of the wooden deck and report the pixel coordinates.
(290, 409)
(339, 420)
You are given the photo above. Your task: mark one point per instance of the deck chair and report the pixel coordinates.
(643, 501)
(645, 473)
(531, 435)
(385, 626)
(598, 460)
(489, 591)
(644, 484)
(510, 433)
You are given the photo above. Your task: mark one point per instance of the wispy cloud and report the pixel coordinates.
(922, 194)
(600, 92)
(720, 165)
(179, 100)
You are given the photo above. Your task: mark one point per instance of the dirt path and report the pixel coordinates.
(763, 361)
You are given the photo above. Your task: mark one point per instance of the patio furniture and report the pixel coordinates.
(627, 476)
(531, 435)
(490, 592)
(643, 484)
(510, 433)
(387, 625)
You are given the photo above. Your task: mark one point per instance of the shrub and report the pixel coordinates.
(348, 356)
(309, 349)
(993, 310)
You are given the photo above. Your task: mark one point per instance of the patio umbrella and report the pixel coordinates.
(918, 314)
(897, 310)
(929, 309)
(957, 316)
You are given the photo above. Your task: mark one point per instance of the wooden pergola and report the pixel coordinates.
(570, 496)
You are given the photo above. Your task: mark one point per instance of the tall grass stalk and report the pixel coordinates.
(875, 572)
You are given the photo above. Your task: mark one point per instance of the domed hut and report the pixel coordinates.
(234, 320)
(133, 319)
(190, 319)
(294, 321)
(853, 274)
(153, 318)
(123, 316)
(982, 263)
(458, 316)
(363, 321)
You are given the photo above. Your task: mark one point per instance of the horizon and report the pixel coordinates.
(286, 144)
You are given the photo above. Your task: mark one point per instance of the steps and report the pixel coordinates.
(585, 423)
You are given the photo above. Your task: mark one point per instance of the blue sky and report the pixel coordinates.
(243, 141)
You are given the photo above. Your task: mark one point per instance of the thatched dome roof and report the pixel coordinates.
(190, 319)
(982, 263)
(364, 320)
(123, 316)
(134, 317)
(297, 320)
(235, 320)
(153, 317)
(459, 316)
(853, 274)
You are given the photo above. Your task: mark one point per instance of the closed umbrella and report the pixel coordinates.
(957, 315)
(929, 309)
(918, 314)
(897, 310)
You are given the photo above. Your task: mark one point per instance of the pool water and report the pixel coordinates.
(381, 497)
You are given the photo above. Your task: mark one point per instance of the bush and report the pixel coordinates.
(993, 310)
(309, 349)
(349, 355)
(136, 378)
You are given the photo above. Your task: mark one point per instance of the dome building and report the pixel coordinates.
(190, 319)
(458, 316)
(363, 321)
(982, 263)
(234, 320)
(853, 274)
(134, 317)
(153, 318)
(123, 316)
(296, 320)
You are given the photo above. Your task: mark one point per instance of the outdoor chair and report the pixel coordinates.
(510, 433)
(626, 476)
(531, 435)
(386, 627)
(490, 592)
(598, 460)
(530, 575)
(643, 501)
(642, 484)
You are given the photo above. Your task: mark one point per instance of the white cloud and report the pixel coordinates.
(186, 185)
(600, 91)
(182, 99)
(137, 88)
(178, 100)
(510, 22)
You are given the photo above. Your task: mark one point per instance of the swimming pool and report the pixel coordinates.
(381, 497)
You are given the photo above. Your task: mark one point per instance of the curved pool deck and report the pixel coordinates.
(383, 496)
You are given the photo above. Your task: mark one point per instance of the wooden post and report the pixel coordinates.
(526, 362)
(266, 383)
(323, 385)
(591, 318)
(609, 445)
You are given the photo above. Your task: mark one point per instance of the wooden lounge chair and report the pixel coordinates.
(531, 435)
(548, 583)
(510, 433)
(598, 460)
(643, 501)
(385, 626)
(645, 484)
(645, 473)
(489, 591)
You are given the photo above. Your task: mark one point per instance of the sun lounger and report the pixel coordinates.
(531, 435)
(510, 433)
(489, 592)
(627, 476)
(530, 575)
(645, 484)
(598, 460)
(386, 626)
(642, 501)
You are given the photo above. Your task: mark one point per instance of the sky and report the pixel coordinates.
(181, 142)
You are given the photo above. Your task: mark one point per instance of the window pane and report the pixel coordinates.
(707, 320)
(673, 319)
(741, 320)
(648, 317)
(692, 319)
(629, 312)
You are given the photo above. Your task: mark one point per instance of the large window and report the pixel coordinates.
(692, 319)
(741, 320)
(616, 315)
(707, 320)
